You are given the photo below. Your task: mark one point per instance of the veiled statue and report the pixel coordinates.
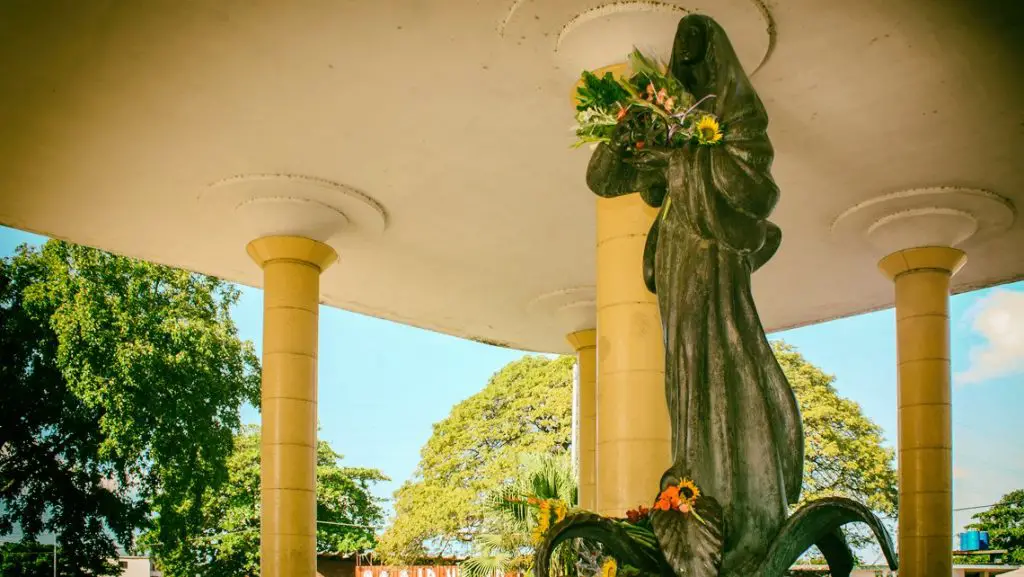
(736, 428)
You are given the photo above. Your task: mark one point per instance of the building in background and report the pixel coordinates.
(134, 566)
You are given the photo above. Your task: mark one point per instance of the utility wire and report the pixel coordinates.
(976, 507)
(254, 529)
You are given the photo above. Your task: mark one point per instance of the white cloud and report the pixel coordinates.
(999, 319)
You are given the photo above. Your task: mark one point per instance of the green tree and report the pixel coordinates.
(843, 451)
(1004, 523)
(31, 559)
(227, 544)
(510, 522)
(844, 454)
(526, 408)
(122, 385)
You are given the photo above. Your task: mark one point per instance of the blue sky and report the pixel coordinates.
(382, 385)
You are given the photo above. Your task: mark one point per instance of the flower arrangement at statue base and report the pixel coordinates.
(547, 512)
(649, 109)
(539, 515)
(681, 499)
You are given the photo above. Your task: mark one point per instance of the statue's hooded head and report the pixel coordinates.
(705, 62)
(691, 42)
(691, 47)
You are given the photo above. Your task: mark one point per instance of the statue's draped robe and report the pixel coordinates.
(736, 428)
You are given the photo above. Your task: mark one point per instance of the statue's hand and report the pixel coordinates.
(650, 158)
(615, 171)
(621, 140)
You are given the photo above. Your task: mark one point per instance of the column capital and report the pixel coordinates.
(585, 339)
(293, 248)
(941, 258)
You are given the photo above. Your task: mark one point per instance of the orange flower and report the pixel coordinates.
(662, 94)
(672, 493)
(636, 515)
(640, 145)
(649, 97)
(668, 500)
(681, 497)
(622, 113)
(670, 103)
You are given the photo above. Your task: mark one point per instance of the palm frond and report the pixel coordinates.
(486, 565)
(504, 542)
(510, 501)
(549, 477)
(507, 542)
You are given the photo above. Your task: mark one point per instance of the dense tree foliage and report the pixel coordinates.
(1004, 523)
(31, 559)
(122, 382)
(844, 454)
(526, 408)
(227, 543)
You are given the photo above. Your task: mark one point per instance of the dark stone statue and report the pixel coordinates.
(736, 428)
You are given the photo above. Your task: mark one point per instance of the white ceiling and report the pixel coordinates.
(454, 116)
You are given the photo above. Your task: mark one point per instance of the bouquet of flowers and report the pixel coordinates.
(650, 108)
(637, 526)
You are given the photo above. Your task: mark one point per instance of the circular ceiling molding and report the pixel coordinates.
(937, 216)
(572, 309)
(289, 204)
(588, 34)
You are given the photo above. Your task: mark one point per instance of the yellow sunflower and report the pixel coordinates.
(610, 568)
(543, 521)
(708, 130)
(560, 510)
(688, 491)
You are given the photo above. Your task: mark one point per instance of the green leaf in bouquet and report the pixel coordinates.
(649, 108)
(641, 64)
(590, 139)
(599, 92)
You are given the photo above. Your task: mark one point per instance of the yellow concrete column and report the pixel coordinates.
(922, 278)
(633, 431)
(291, 294)
(585, 345)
